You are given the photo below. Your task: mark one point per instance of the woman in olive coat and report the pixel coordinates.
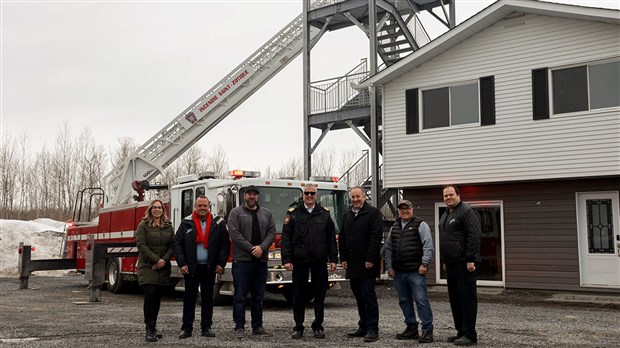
(155, 239)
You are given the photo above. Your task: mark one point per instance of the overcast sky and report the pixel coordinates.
(128, 68)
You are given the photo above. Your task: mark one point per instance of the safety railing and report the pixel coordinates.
(357, 174)
(337, 93)
(417, 30)
(322, 3)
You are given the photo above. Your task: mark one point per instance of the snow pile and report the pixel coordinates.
(44, 235)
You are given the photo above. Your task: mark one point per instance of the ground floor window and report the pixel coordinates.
(491, 248)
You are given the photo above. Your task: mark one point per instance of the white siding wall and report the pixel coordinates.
(516, 147)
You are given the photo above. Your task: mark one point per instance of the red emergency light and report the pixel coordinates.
(238, 173)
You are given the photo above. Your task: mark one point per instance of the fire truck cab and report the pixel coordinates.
(277, 195)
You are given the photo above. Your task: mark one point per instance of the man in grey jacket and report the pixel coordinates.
(252, 231)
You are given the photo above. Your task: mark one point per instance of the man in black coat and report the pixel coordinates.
(360, 245)
(459, 245)
(308, 244)
(201, 249)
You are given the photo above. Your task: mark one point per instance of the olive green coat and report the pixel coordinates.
(154, 243)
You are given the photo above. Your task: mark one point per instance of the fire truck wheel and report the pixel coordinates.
(288, 294)
(116, 284)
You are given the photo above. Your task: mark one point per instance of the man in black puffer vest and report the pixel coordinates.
(408, 250)
(459, 246)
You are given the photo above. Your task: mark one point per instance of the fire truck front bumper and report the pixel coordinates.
(278, 275)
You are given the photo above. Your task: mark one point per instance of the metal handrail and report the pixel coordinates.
(335, 93)
(362, 163)
(361, 67)
(323, 3)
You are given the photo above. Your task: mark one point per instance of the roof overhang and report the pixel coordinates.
(482, 20)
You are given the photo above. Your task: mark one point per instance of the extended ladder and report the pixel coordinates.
(205, 113)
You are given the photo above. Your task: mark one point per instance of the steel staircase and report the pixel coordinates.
(334, 104)
(207, 111)
(401, 34)
(359, 175)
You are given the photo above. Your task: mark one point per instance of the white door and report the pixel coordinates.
(599, 239)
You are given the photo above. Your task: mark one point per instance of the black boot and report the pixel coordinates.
(410, 333)
(157, 332)
(150, 333)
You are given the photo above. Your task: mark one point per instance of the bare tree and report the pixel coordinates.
(86, 158)
(8, 185)
(293, 168)
(217, 161)
(353, 167)
(63, 171)
(126, 146)
(24, 176)
(269, 173)
(41, 195)
(191, 162)
(90, 163)
(324, 162)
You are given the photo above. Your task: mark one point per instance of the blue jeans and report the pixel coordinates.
(367, 306)
(412, 286)
(249, 276)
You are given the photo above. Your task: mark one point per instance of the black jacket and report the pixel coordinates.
(459, 235)
(185, 244)
(360, 241)
(308, 237)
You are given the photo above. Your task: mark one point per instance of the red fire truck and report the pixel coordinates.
(118, 224)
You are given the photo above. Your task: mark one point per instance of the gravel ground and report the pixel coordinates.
(46, 315)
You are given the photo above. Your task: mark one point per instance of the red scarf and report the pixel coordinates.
(202, 237)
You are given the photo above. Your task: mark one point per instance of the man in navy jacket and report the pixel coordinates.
(360, 254)
(201, 249)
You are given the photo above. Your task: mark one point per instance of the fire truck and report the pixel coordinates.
(123, 192)
(118, 224)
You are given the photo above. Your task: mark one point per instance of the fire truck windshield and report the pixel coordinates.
(279, 199)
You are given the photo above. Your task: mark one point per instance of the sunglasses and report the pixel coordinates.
(308, 193)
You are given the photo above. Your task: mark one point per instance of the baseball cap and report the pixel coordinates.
(251, 188)
(406, 203)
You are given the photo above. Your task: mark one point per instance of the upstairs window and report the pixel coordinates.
(450, 106)
(575, 89)
(455, 105)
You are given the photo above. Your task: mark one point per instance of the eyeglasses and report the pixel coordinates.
(309, 193)
(156, 207)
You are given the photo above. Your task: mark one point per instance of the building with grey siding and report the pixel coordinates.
(520, 107)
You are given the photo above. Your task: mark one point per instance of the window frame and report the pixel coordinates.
(474, 204)
(550, 86)
(450, 106)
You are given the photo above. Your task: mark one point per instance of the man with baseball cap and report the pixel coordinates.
(252, 231)
(408, 250)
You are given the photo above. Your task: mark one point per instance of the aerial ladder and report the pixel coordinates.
(206, 112)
